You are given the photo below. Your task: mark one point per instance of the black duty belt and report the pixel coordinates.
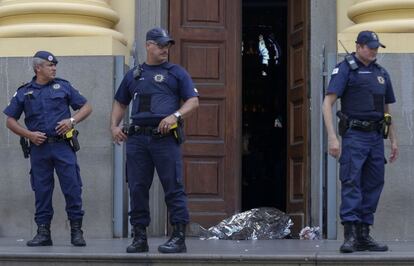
(141, 130)
(145, 130)
(366, 126)
(54, 139)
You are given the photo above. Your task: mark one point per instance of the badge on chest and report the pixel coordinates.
(159, 78)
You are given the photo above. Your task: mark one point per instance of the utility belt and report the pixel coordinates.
(71, 137)
(54, 139)
(381, 126)
(131, 130)
(366, 126)
(176, 131)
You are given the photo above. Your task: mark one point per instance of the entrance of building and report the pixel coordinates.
(264, 110)
(247, 144)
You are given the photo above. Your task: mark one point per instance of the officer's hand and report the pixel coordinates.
(334, 148)
(394, 152)
(37, 137)
(63, 126)
(166, 123)
(117, 135)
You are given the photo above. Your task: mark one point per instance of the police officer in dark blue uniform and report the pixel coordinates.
(155, 88)
(45, 102)
(365, 90)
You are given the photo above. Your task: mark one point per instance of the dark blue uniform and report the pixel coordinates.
(155, 94)
(44, 106)
(363, 93)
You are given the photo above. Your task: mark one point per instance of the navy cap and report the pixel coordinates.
(369, 38)
(46, 56)
(160, 36)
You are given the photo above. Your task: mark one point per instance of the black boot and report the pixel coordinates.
(350, 238)
(42, 238)
(176, 244)
(365, 241)
(139, 243)
(76, 233)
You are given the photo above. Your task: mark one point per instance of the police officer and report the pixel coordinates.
(365, 90)
(155, 88)
(45, 101)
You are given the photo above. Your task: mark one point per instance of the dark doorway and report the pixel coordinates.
(264, 64)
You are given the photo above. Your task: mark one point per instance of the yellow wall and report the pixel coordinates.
(67, 27)
(391, 19)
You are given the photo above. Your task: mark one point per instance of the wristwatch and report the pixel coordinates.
(72, 121)
(177, 115)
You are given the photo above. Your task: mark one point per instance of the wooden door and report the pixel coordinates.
(208, 45)
(297, 99)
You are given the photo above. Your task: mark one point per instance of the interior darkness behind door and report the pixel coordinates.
(264, 104)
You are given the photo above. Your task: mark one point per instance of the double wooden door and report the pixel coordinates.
(208, 45)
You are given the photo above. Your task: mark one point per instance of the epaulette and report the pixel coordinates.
(383, 71)
(23, 85)
(168, 65)
(60, 79)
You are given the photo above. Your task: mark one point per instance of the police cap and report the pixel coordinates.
(160, 36)
(48, 56)
(369, 38)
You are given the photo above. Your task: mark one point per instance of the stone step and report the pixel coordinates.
(201, 252)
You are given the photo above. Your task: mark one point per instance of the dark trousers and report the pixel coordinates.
(362, 175)
(44, 159)
(143, 154)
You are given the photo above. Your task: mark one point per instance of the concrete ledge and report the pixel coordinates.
(200, 252)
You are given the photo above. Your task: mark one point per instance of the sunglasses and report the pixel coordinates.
(161, 46)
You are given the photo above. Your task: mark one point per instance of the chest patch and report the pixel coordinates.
(381, 80)
(159, 78)
(56, 86)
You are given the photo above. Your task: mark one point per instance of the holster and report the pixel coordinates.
(385, 125)
(72, 138)
(25, 147)
(343, 124)
(178, 132)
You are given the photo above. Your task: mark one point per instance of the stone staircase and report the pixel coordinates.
(201, 252)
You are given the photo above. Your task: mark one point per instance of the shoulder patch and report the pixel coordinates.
(335, 71)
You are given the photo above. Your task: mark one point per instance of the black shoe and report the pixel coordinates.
(176, 244)
(349, 238)
(365, 241)
(139, 243)
(76, 233)
(42, 238)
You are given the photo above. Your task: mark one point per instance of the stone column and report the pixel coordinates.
(386, 16)
(57, 18)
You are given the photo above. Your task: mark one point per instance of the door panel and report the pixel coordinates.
(208, 45)
(297, 161)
